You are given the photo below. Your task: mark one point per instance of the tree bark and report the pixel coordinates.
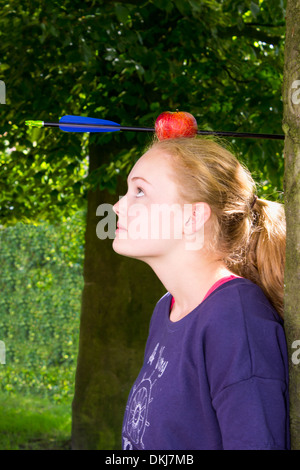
(291, 127)
(118, 298)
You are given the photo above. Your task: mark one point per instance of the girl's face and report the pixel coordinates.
(150, 216)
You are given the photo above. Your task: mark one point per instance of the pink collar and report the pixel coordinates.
(216, 284)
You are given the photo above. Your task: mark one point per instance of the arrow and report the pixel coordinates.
(85, 124)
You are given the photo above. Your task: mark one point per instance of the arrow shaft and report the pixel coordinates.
(115, 127)
(150, 129)
(243, 134)
(51, 124)
(99, 126)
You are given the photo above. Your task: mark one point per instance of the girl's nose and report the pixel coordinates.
(120, 206)
(116, 208)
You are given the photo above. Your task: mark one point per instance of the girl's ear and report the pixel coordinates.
(195, 217)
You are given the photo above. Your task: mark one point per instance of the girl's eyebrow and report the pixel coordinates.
(139, 178)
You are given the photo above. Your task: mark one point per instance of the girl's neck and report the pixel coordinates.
(189, 282)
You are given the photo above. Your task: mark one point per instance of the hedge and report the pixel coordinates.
(41, 284)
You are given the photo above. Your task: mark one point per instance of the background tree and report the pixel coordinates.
(291, 126)
(126, 61)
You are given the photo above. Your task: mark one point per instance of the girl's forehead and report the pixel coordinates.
(156, 168)
(153, 163)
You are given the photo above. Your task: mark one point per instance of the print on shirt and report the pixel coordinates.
(137, 409)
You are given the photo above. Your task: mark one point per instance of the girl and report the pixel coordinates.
(215, 371)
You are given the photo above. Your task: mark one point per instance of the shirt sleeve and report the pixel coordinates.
(252, 415)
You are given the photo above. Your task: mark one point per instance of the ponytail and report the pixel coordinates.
(264, 256)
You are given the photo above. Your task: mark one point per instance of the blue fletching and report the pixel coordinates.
(73, 124)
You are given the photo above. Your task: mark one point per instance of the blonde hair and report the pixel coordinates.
(249, 234)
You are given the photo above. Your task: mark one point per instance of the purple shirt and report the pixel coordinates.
(216, 379)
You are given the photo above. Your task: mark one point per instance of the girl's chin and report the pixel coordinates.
(131, 249)
(124, 247)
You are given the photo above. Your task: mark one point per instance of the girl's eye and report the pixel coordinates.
(140, 192)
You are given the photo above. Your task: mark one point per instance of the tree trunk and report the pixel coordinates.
(291, 127)
(118, 298)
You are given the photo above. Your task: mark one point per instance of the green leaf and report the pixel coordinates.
(122, 13)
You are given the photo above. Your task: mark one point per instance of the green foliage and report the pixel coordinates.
(41, 283)
(128, 61)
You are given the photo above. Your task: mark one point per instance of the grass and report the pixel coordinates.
(29, 423)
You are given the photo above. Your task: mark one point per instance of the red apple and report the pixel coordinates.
(171, 125)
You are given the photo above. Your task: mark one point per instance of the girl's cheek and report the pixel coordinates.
(138, 222)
